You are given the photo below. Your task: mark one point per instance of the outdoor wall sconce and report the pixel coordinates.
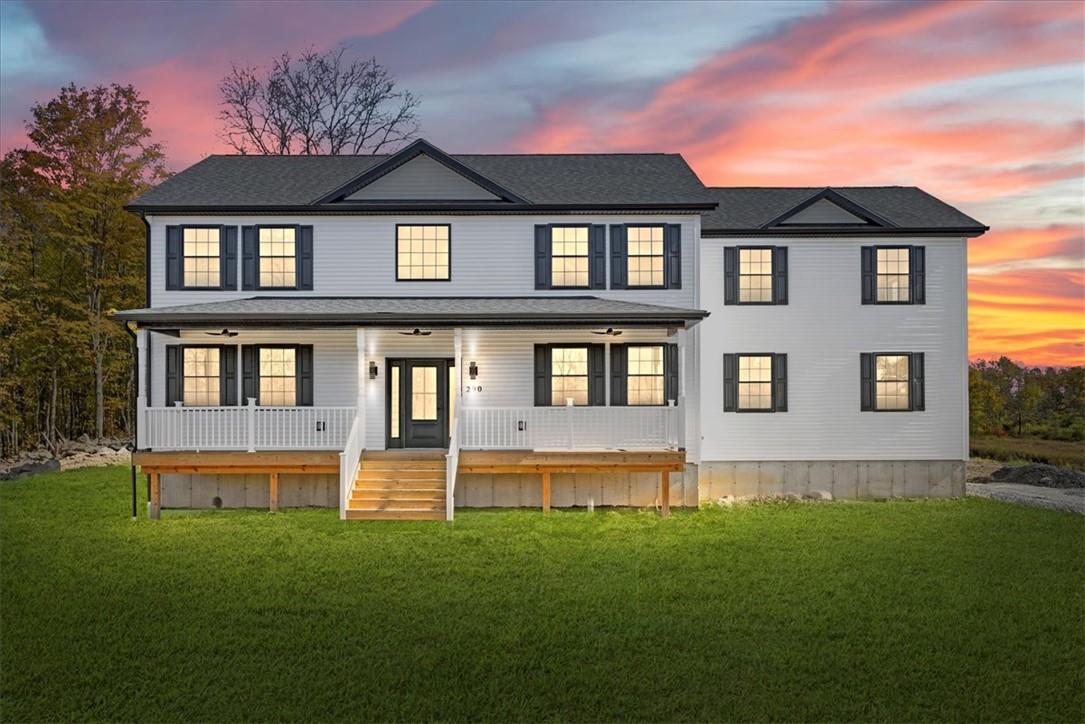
(372, 370)
(472, 370)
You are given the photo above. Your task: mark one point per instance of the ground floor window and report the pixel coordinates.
(278, 376)
(644, 378)
(755, 382)
(201, 386)
(892, 381)
(569, 375)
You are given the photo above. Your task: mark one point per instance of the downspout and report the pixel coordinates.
(135, 413)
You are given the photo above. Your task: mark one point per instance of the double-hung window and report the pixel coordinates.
(201, 257)
(569, 375)
(755, 382)
(755, 275)
(645, 256)
(645, 383)
(201, 376)
(894, 275)
(892, 381)
(278, 258)
(278, 376)
(422, 252)
(569, 257)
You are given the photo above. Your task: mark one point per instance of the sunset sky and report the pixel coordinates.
(981, 104)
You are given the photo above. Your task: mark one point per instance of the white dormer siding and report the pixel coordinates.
(491, 255)
(422, 179)
(823, 211)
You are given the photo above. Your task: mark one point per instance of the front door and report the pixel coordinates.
(418, 396)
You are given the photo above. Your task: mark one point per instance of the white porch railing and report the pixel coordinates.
(452, 464)
(248, 428)
(349, 461)
(570, 428)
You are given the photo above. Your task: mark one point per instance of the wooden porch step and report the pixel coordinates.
(405, 455)
(395, 514)
(429, 491)
(400, 474)
(384, 464)
(397, 503)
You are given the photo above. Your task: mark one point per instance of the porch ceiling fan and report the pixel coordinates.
(610, 332)
(416, 332)
(223, 333)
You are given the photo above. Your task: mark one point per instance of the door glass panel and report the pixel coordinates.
(393, 422)
(423, 393)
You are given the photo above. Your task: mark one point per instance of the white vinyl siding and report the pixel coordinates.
(823, 330)
(421, 179)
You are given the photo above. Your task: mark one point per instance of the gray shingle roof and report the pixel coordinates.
(561, 179)
(907, 207)
(399, 311)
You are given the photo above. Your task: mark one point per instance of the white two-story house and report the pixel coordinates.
(399, 335)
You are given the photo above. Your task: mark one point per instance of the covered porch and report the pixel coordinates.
(458, 382)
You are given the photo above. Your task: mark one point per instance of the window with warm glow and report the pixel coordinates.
(201, 257)
(755, 382)
(754, 275)
(569, 375)
(422, 253)
(423, 393)
(891, 382)
(644, 379)
(569, 256)
(278, 376)
(278, 263)
(893, 270)
(393, 414)
(201, 372)
(645, 255)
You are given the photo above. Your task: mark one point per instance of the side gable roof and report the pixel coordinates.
(888, 210)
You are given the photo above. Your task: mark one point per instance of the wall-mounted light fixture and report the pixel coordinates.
(472, 370)
(372, 370)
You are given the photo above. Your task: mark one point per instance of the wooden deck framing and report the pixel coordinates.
(273, 464)
(605, 461)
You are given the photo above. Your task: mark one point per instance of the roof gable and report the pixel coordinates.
(828, 208)
(396, 173)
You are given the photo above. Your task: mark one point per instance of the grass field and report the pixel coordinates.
(906, 610)
(1032, 449)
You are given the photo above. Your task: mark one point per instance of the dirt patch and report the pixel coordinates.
(978, 470)
(1046, 476)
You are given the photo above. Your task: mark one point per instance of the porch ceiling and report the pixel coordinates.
(412, 311)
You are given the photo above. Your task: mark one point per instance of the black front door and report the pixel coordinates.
(418, 403)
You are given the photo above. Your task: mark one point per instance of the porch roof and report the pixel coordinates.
(265, 311)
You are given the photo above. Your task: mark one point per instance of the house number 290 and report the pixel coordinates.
(472, 388)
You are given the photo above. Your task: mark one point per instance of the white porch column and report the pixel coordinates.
(682, 338)
(142, 393)
(457, 341)
(363, 379)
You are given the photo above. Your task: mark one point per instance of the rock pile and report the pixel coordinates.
(80, 453)
(1047, 476)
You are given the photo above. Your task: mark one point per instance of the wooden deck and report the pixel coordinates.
(546, 463)
(155, 464)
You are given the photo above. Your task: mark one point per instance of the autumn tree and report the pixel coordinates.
(318, 103)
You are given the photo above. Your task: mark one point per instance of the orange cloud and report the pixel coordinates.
(1005, 245)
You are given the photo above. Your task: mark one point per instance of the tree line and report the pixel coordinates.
(1007, 398)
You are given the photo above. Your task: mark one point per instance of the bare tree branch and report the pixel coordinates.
(318, 103)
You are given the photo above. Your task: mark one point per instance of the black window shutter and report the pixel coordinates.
(916, 393)
(618, 256)
(305, 257)
(248, 257)
(868, 274)
(250, 373)
(730, 382)
(670, 369)
(598, 261)
(619, 390)
(542, 256)
(597, 375)
(917, 274)
(730, 275)
(672, 247)
(228, 254)
(866, 381)
(303, 359)
(779, 382)
(175, 381)
(542, 375)
(228, 375)
(173, 257)
(779, 275)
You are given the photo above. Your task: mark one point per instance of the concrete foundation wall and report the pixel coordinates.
(296, 490)
(567, 490)
(842, 478)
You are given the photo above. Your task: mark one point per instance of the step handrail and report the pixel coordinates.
(349, 462)
(452, 464)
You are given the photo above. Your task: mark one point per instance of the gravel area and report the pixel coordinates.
(1071, 499)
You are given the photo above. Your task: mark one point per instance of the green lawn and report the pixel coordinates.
(968, 609)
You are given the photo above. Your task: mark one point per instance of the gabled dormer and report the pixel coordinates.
(828, 208)
(420, 172)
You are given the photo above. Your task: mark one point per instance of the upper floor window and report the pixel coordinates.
(201, 257)
(569, 257)
(278, 260)
(645, 256)
(278, 376)
(201, 376)
(755, 275)
(644, 376)
(755, 382)
(422, 253)
(892, 381)
(894, 274)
